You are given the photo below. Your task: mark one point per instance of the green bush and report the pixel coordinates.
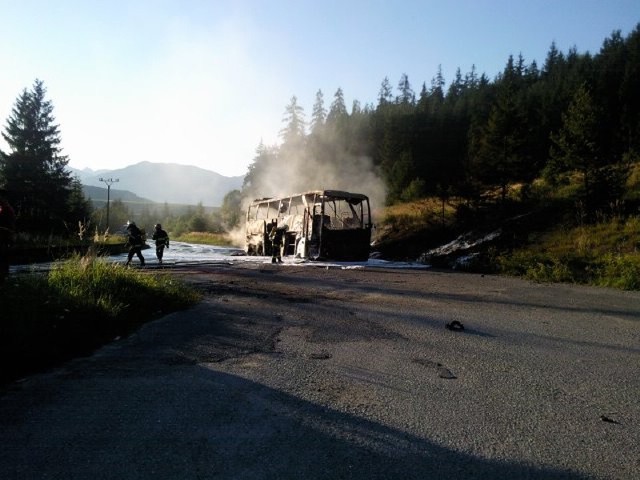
(542, 267)
(606, 253)
(620, 271)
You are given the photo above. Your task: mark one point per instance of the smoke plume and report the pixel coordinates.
(294, 171)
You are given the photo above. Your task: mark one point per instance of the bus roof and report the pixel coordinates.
(325, 193)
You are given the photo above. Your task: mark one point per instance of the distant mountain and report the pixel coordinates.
(99, 195)
(166, 182)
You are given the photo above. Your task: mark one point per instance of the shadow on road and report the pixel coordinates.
(156, 407)
(207, 424)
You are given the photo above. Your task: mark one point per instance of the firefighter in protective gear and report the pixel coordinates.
(162, 240)
(277, 237)
(135, 242)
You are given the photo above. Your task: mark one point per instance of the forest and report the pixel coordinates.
(576, 114)
(572, 121)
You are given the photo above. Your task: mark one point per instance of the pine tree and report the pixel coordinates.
(319, 113)
(456, 88)
(386, 92)
(294, 131)
(79, 207)
(437, 89)
(577, 146)
(499, 148)
(34, 170)
(231, 210)
(630, 94)
(258, 180)
(337, 129)
(406, 97)
(338, 109)
(423, 99)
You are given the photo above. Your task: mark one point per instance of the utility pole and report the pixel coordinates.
(108, 182)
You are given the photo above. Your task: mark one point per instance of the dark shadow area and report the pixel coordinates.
(207, 424)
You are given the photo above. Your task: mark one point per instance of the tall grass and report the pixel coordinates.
(77, 306)
(93, 282)
(206, 238)
(605, 254)
(417, 214)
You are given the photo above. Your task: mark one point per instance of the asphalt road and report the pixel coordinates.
(285, 372)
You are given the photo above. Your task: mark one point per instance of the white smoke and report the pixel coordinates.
(294, 172)
(318, 161)
(353, 175)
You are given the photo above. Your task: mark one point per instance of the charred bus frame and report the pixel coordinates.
(320, 224)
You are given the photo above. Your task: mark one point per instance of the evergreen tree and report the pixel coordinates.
(630, 94)
(406, 97)
(338, 109)
(294, 131)
(385, 95)
(423, 99)
(258, 178)
(34, 170)
(198, 221)
(437, 89)
(231, 210)
(471, 78)
(337, 132)
(358, 134)
(577, 146)
(319, 113)
(610, 67)
(79, 207)
(356, 108)
(456, 88)
(317, 139)
(500, 156)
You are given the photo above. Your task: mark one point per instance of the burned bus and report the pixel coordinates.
(318, 225)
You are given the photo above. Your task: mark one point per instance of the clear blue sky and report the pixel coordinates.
(202, 82)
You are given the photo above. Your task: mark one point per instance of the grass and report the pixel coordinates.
(30, 248)
(80, 304)
(417, 214)
(551, 244)
(404, 231)
(206, 238)
(603, 254)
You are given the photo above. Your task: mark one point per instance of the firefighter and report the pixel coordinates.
(162, 240)
(277, 236)
(135, 243)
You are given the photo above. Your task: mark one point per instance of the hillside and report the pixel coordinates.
(136, 205)
(543, 239)
(98, 195)
(165, 182)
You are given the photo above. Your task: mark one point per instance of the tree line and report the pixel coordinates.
(177, 220)
(577, 114)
